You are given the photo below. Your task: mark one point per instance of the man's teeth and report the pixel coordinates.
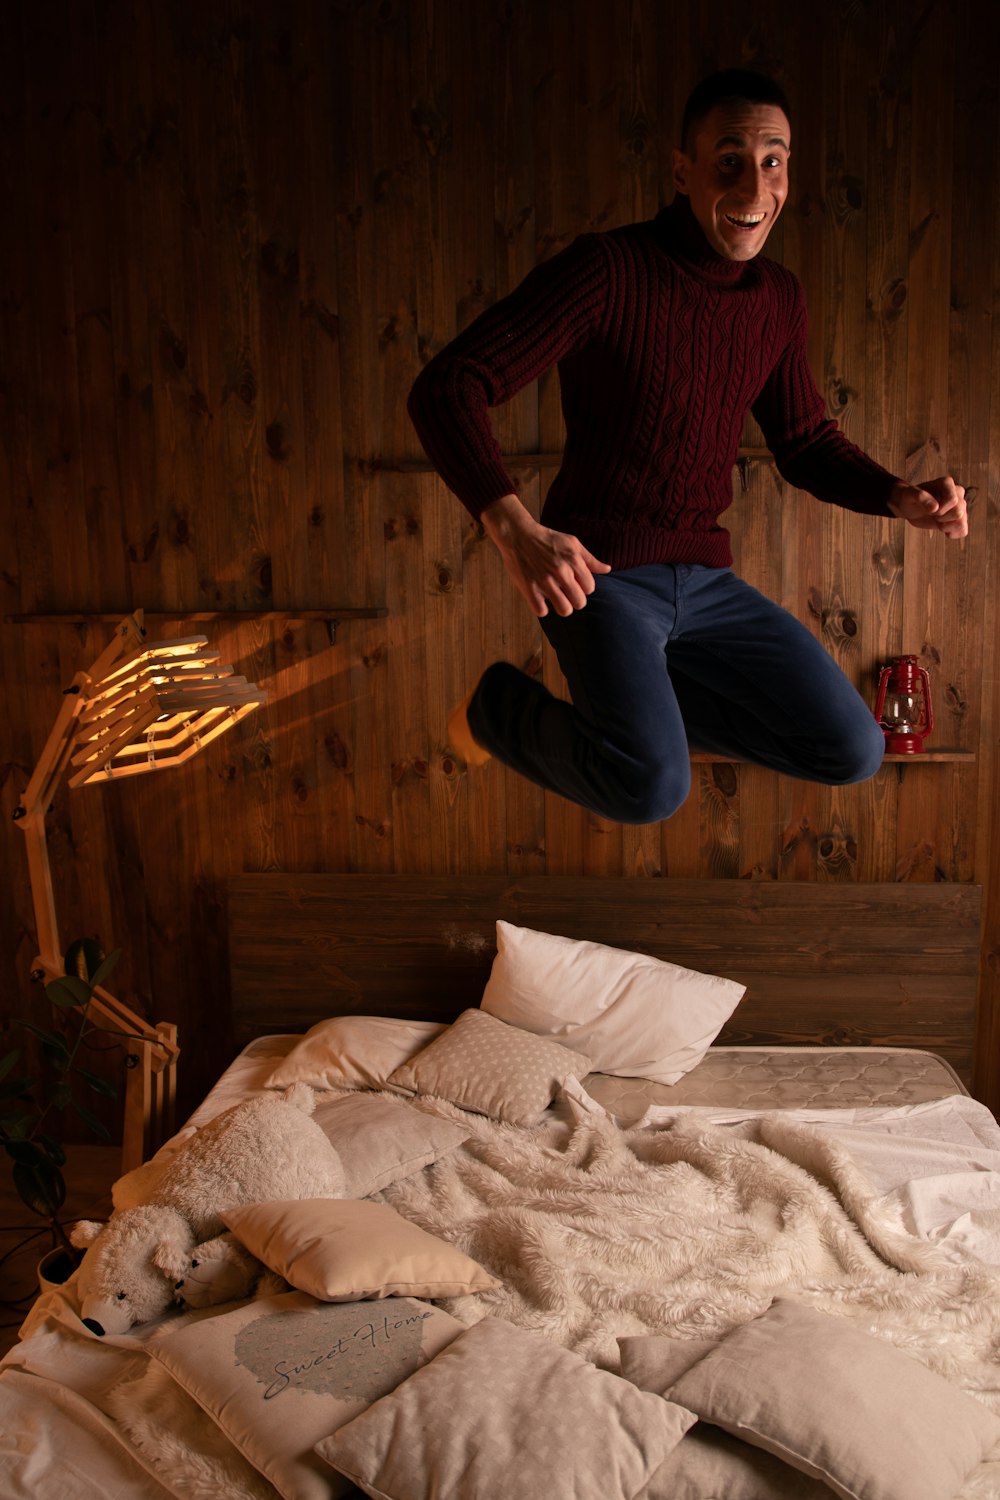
(745, 221)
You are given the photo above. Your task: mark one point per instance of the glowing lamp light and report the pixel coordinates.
(903, 707)
(139, 707)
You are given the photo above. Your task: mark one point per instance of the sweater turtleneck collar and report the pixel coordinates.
(685, 239)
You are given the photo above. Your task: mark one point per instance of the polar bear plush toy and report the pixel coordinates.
(166, 1210)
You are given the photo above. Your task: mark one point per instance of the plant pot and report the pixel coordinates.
(55, 1268)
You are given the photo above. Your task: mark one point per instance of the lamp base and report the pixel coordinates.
(903, 742)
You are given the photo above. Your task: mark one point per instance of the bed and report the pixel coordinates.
(733, 1231)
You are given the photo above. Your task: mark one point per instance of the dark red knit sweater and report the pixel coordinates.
(662, 348)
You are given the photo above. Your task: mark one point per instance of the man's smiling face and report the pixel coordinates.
(737, 176)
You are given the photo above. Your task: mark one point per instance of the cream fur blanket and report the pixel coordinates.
(689, 1231)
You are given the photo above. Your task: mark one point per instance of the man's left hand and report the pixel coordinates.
(935, 505)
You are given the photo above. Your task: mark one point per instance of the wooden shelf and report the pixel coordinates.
(705, 757)
(333, 616)
(553, 460)
(60, 617)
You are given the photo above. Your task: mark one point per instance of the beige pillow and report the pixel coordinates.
(279, 1374)
(493, 1069)
(841, 1406)
(707, 1462)
(632, 1015)
(505, 1415)
(344, 1250)
(381, 1141)
(352, 1052)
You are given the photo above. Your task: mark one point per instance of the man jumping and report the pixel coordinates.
(666, 333)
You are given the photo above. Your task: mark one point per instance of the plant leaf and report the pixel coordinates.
(41, 1188)
(99, 1085)
(95, 1124)
(68, 992)
(53, 1041)
(8, 1062)
(17, 1127)
(25, 1152)
(59, 1094)
(16, 1088)
(53, 1149)
(105, 968)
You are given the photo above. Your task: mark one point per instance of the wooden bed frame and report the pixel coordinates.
(830, 965)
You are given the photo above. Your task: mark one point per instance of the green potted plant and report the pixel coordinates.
(28, 1104)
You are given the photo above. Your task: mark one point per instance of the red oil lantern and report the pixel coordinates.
(904, 707)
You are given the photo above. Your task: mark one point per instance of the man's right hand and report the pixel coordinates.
(547, 567)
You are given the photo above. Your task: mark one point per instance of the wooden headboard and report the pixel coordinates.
(823, 964)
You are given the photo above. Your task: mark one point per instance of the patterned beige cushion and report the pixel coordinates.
(491, 1068)
(505, 1415)
(279, 1374)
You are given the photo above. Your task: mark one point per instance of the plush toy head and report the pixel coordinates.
(128, 1273)
(219, 1270)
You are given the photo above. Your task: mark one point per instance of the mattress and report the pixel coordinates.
(789, 1078)
(758, 1078)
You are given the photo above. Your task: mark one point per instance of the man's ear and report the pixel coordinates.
(679, 170)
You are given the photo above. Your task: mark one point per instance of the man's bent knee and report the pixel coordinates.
(653, 797)
(858, 757)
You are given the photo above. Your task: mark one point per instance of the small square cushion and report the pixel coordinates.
(486, 1066)
(281, 1373)
(841, 1406)
(381, 1141)
(344, 1250)
(632, 1015)
(352, 1052)
(509, 1416)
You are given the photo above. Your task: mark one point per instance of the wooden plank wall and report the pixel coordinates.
(233, 230)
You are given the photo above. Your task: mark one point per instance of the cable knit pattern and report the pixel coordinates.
(662, 348)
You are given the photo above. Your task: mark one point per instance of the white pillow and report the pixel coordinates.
(353, 1052)
(632, 1015)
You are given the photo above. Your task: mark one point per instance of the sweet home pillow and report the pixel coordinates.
(281, 1373)
(352, 1052)
(484, 1065)
(381, 1141)
(345, 1250)
(844, 1407)
(502, 1414)
(632, 1015)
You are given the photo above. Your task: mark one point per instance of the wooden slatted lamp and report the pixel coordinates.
(140, 707)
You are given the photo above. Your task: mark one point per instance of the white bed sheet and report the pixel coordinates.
(934, 1170)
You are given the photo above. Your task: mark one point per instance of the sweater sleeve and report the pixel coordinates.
(554, 312)
(809, 448)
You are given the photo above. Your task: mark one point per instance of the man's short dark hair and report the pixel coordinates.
(731, 86)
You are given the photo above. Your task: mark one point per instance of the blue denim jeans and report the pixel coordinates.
(664, 658)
